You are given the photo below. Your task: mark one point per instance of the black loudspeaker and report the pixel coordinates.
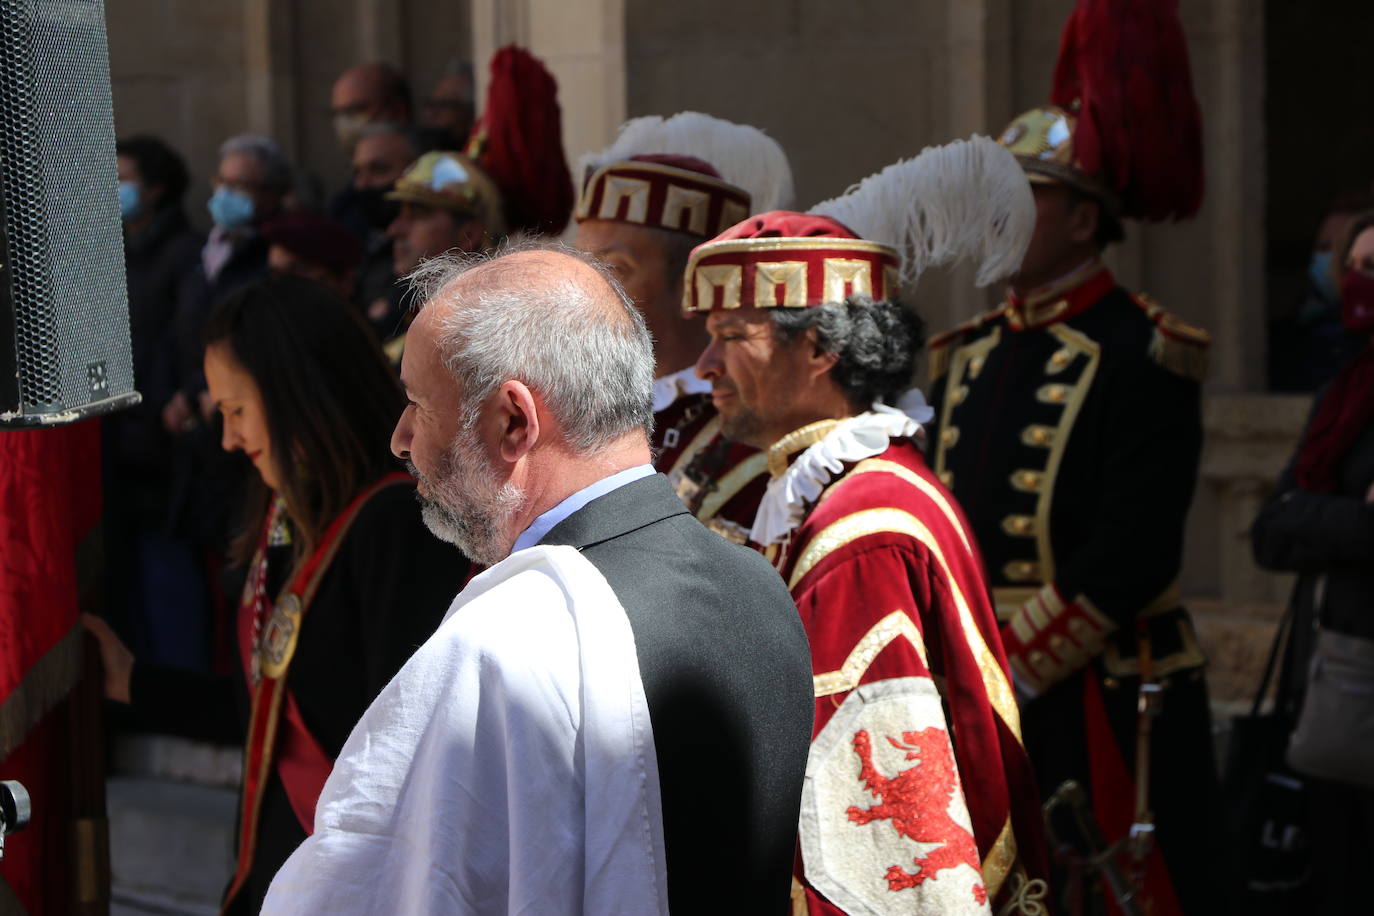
(64, 307)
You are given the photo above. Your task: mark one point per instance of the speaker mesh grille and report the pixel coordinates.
(61, 209)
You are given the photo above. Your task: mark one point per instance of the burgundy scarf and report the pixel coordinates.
(1341, 417)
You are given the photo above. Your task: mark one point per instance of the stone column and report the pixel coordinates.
(269, 82)
(583, 44)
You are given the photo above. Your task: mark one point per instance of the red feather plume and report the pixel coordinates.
(1123, 69)
(518, 141)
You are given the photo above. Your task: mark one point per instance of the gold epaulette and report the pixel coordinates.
(1177, 345)
(939, 347)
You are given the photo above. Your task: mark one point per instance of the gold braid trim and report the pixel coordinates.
(794, 442)
(43, 687)
(879, 637)
(875, 521)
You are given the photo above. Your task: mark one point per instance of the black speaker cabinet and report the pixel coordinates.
(64, 307)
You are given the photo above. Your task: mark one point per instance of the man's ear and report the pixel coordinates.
(818, 361)
(517, 419)
(1083, 219)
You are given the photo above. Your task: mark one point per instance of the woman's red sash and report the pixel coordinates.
(302, 765)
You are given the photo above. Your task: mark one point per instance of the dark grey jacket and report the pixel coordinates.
(1328, 539)
(727, 675)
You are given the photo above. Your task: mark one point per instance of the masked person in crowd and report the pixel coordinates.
(1319, 523)
(158, 596)
(370, 93)
(1308, 347)
(451, 106)
(343, 581)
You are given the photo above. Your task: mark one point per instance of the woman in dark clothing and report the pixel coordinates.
(343, 580)
(149, 568)
(1319, 523)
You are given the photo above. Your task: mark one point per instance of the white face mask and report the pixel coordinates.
(348, 128)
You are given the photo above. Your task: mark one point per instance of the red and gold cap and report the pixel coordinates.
(678, 193)
(787, 260)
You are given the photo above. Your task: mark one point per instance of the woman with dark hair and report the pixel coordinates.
(1319, 523)
(343, 579)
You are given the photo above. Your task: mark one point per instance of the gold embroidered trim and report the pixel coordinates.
(1009, 598)
(731, 483)
(876, 521)
(797, 440)
(1073, 402)
(878, 638)
(1000, 859)
(966, 360)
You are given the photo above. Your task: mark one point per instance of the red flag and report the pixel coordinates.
(49, 503)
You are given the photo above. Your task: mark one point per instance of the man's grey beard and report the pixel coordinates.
(466, 507)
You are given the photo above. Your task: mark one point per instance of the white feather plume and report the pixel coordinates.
(965, 201)
(744, 156)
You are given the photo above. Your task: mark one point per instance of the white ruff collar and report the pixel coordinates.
(792, 492)
(669, 388)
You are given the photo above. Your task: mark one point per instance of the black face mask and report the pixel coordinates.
(376, 209)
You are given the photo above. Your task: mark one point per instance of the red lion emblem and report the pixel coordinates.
(916, 800)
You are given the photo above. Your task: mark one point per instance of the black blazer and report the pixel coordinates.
(727, 674)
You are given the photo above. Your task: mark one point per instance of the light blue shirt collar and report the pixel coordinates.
(546, 522)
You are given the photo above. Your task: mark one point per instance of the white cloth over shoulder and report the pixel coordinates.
(792, 492)
(508, 768)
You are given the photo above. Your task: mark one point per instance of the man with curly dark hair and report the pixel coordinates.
(809, 348)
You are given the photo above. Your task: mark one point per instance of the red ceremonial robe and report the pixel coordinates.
(919, 796)
(720, 482)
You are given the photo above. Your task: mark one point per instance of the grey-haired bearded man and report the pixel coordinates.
(614, 717)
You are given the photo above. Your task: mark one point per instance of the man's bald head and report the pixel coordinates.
(373, 92)
(551, 317)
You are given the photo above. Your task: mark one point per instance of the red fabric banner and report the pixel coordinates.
(49, 502)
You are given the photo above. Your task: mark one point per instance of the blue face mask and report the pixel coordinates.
(1319, 272)
(130, 203)
(230, 209)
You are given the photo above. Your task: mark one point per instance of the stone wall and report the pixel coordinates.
(196, 72)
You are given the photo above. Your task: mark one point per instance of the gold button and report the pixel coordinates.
(1038, 436)
(975, 366)
(1026, 480)
(1059, 360)
(949, 435)
(947, 478)
(1019, 525)
(1052, 394)
(1021, 571)
(957, 396)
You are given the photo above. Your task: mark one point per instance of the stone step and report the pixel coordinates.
(172, 807)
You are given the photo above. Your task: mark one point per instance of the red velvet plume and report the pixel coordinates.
(519, 142)
(1125, 62)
